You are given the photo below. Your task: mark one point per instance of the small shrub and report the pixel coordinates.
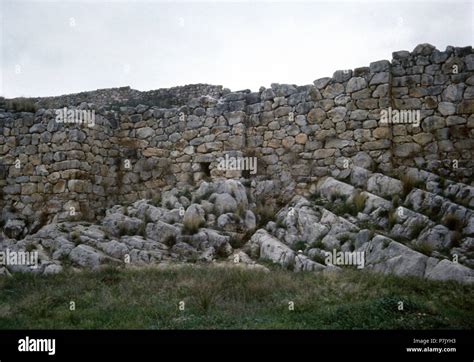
(122, 230)
(396, 201)
(319, 259)
(417, 228)
(337, 196)
(434, 212)
(317, 244)
(344, 237)
(75, 238)
(408, 184)
(299, 245)
(392, 219)
(456, 238)
(240, 212)
(265, 212)
(281, 224)
(156, 200)
(142, 230)
(442, 183)
(315, 196)
(170, 241)
(30, 247)
(452, 222)
(339, 207)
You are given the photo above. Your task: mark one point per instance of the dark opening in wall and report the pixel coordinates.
(246, 174)
(206, 168)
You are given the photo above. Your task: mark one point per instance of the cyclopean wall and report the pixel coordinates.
(297, 134)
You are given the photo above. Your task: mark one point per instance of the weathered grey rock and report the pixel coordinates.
(390, 257)
(380, 78)
(118, 224)
(423, 49)
(406, 149)
(355, 84)
(265, 246)
(383, 185)
(52, 269)
(145, 132)
(235, 189)
(223, 203)
(447, 270)
(250, 221)
(453, 93)
(86, 256)
(303, 263)
(446, 108)
(321, 83)
(333, 90)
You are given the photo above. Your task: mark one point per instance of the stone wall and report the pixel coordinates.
(114, 97)
(297, 133)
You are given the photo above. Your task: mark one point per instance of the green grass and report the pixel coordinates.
(231, 298)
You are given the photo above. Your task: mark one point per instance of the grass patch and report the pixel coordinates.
(156, 200)
(191, 226)
(359, 201)
(319, 259)
(408, 184)
(265, 212)
(417, 228)
(424, 248)
(392, 219)
(231, 298)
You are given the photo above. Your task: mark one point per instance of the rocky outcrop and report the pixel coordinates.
(323, 233)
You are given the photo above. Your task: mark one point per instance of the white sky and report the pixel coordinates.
(158, 44)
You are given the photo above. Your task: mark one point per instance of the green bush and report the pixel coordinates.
(299, 245)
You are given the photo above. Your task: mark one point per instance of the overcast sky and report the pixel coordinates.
(59, 47)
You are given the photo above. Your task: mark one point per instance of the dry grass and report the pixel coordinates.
(359, 200)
